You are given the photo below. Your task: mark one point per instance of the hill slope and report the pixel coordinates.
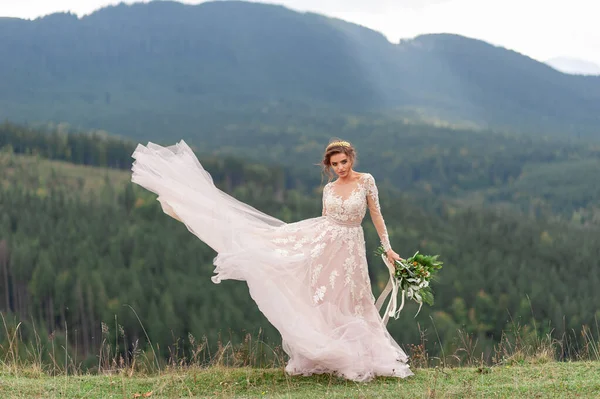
(115, 248)
(165, 68)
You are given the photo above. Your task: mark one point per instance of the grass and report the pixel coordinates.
(523, 365)
(547, 380)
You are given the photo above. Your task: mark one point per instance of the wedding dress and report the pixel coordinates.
(309, 278)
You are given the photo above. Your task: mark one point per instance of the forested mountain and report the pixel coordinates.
(514, 217)
(79, 244)
(544, 178)
(165, 69)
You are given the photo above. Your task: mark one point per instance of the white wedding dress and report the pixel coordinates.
(309, 278)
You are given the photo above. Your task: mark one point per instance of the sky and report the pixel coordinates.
(540, 29)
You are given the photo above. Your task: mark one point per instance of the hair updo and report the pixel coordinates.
(336, 146)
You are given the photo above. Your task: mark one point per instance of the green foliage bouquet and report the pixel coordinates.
(412, 276)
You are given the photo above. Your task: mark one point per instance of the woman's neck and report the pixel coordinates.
(349, 178)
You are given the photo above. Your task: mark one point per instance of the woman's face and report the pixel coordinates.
(341, 164)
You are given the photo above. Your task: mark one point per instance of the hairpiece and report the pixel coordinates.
(338, 144)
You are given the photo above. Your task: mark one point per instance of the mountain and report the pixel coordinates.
(574, 66)
(165, 69)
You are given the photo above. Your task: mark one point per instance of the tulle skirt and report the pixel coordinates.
(310, 278)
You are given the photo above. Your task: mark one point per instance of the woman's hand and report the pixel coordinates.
(393, 256)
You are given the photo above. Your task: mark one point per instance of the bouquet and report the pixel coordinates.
(412, 276)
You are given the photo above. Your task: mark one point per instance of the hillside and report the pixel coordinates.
(540, 177)
(79, 245)
(169, 70)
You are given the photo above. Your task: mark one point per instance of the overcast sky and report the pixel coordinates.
(541, 29)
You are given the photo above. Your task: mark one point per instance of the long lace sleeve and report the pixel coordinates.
(375, 212)
(324, 212)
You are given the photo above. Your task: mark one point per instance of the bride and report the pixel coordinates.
(309, 278)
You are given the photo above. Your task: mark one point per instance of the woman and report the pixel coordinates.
(309, 278)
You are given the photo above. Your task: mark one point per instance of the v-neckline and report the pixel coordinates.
(351, 193)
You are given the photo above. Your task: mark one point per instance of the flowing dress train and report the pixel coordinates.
(309, 278)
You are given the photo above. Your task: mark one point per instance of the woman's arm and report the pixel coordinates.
(324, 212)
(377, 218)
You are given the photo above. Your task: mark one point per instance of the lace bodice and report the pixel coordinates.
(348, 205)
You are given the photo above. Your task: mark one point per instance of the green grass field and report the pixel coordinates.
(547, 380)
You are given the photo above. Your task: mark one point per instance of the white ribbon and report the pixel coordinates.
(392, 287)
